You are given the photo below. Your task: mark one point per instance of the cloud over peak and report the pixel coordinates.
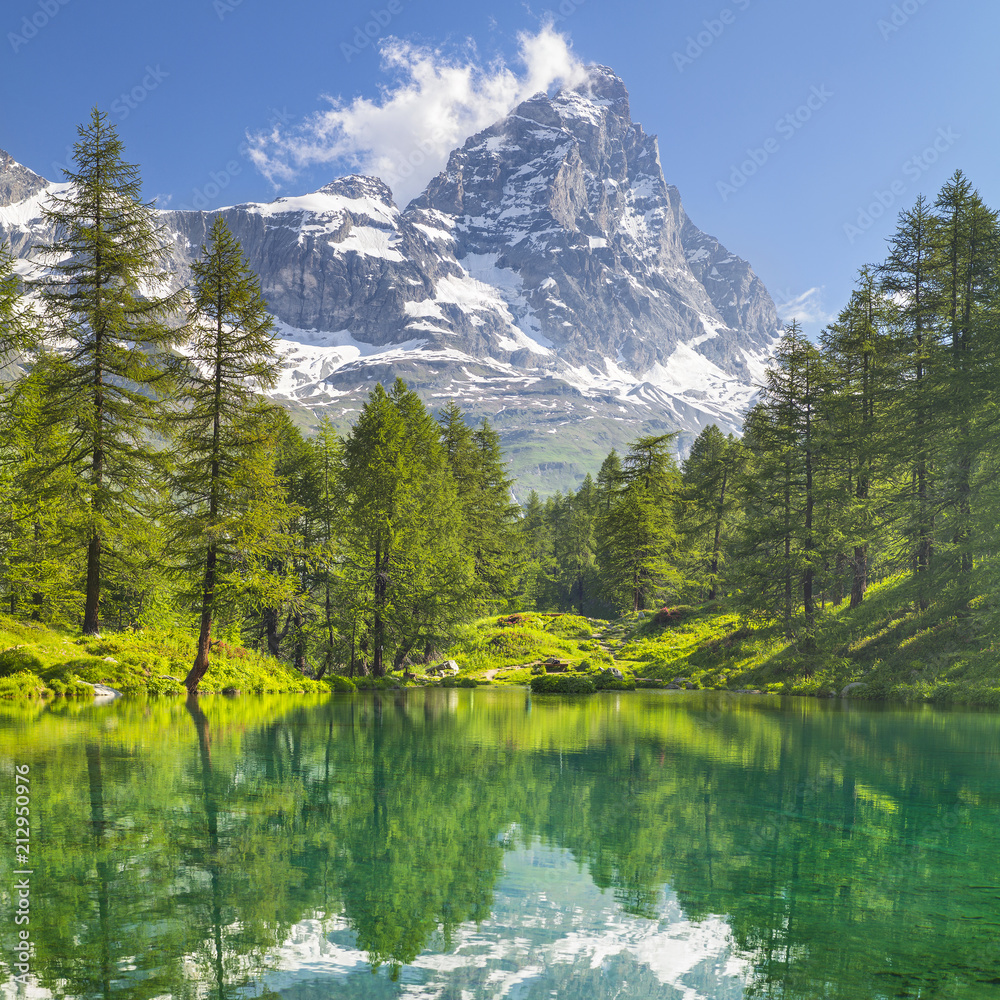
(435, 102)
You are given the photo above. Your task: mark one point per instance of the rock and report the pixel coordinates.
(614, 672)
(110, 659)
(690, 687)
(852, 687)
(102, 692)
(673, 687)
(440, 669)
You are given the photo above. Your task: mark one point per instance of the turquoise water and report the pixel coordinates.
(484, 844)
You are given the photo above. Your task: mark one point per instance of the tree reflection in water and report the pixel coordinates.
(851, 852)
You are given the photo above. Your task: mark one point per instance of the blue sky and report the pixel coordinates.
(781, 121)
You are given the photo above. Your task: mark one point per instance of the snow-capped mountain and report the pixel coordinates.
(548, 278)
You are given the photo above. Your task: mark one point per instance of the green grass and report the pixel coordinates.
(36, 661)
(515, 641)
(888, 648)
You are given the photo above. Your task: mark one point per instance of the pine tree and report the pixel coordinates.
(967, 243)
(907, 275)
(863, 383)
(636, 528)
(43, 522)
(402, 530)
(105, 259)
(575, 548)
(535, 540)
(325, 554)
(484, 493)
(227, 504)
(709, 503)
(781, 489)
(19, 332)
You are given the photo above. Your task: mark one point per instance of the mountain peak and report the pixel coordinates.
(603, 84)
(360, 186)
(17, 182)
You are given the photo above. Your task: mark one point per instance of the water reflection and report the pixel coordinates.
(473, 844)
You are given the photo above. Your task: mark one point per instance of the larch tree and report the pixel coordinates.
(98, 286)
(967, 242)
(402, 528)
(227, 506)
(636, 529)
(863, 384)
(484, 495)
(709, 503)
(907, 277)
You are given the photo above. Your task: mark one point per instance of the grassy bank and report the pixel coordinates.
(883, 650)
(36, 661)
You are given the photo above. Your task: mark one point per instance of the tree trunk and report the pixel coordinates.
(859, 575)
(200, 665)
(718, 534)
(378, 622)
(300, 648)
(91, 622)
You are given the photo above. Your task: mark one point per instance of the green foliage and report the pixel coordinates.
(337, 682)
(388, 682)
(106, 254)
(636, 529)
(607, 682)
(21, 684)
(562, 684)
(570, 627)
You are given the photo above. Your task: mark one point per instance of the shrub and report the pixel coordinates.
(671, 616)
(338, 682)
(615, 684)
(458, 682)
(562, 684)
(19, 658)
(608, 682)
(22, 684)
(570, 627)
(513, 642)
(387, 683)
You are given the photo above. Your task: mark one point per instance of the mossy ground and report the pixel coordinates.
(886, 646)
(39, 661)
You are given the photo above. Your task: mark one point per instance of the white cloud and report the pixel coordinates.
(405, 135)
(807, 308)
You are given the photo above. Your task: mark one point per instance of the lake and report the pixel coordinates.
(466, 844)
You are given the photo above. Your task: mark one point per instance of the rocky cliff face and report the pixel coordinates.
(548, 279)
